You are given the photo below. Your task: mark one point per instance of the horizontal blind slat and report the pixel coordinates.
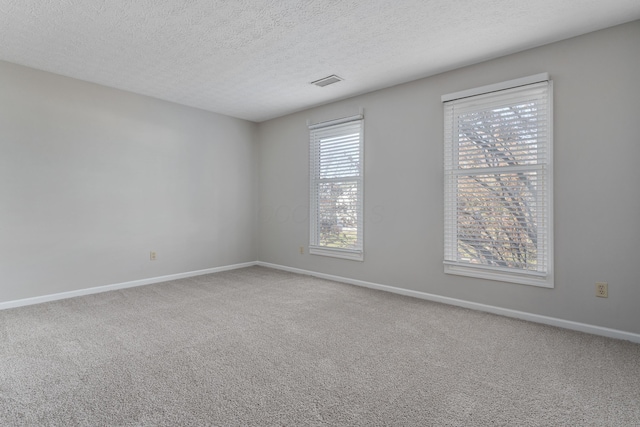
(336, 187)
(496, 155)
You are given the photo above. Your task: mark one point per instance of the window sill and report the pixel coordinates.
(482, 273)
(337, 253)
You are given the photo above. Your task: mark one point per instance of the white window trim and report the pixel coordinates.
(496, 273)
(510, 84)
(314, 248)
(337, 253)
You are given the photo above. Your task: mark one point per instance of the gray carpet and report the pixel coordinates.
(264, 347)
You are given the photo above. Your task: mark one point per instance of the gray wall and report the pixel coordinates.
(597, 182)
(92, 179)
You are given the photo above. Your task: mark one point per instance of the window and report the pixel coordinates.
(336, 151)
(498, 152)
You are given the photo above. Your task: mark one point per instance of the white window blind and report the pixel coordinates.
(498, 152)
(336, 166)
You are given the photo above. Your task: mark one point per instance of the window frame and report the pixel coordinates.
(315, 248)
(512, 275)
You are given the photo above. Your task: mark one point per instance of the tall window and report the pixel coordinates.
(498, 152)
(336, 153)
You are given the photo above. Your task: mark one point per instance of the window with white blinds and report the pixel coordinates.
(498, 152)
(336, 166)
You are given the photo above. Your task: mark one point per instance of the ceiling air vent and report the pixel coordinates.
(327, 81)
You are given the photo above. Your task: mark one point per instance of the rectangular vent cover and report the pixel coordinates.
(327, 81)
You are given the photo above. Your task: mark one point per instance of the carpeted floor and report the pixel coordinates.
(264, 347)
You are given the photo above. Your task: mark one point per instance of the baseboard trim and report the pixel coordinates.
(124, 285)
(537, 318)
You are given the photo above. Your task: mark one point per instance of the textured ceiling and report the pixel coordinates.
(254, 59)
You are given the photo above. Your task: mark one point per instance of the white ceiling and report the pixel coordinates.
(254, 59)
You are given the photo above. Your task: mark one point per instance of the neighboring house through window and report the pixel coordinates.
(498, 182)
(336, 181)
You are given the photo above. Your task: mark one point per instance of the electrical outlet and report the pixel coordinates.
(301, 250)
(152, 256)
(602, 290)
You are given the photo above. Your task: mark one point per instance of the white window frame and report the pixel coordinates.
(317, 132)
(453, 264)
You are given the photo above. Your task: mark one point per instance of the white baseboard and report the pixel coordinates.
(566, 324)
(106, 288)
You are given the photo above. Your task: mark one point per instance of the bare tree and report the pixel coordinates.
(497, 223)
